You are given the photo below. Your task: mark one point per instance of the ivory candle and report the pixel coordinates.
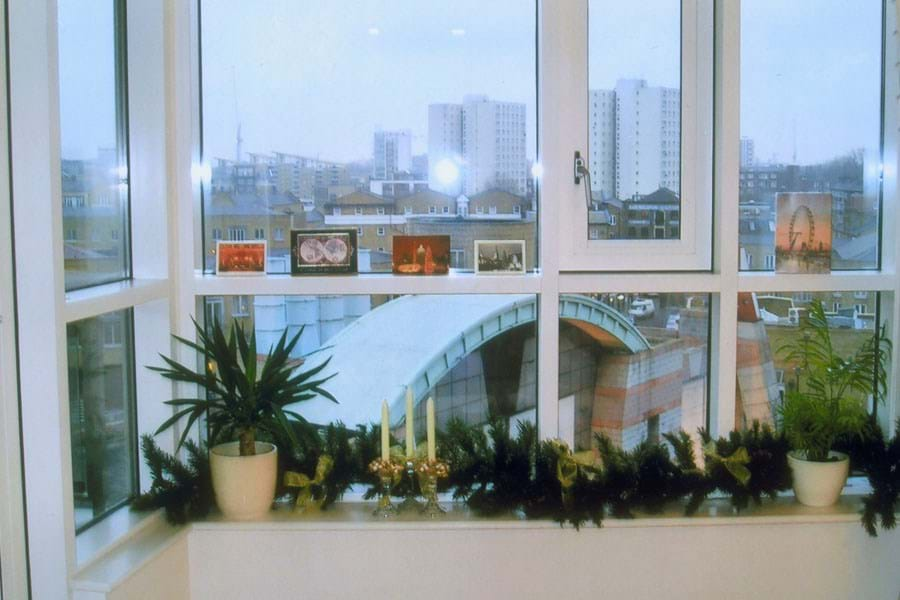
(410, 425)
(429, 410)
(385, 432)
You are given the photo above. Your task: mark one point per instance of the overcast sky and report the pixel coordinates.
(318, 77)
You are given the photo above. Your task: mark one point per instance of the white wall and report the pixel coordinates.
(633, 560)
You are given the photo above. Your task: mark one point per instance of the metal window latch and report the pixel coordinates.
(581, 171)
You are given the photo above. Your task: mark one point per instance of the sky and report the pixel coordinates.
(318, 77)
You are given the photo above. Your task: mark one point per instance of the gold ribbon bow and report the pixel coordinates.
(736, 463)
(568, 463)
(301, 480)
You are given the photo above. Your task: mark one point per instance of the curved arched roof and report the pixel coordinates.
(417, 340)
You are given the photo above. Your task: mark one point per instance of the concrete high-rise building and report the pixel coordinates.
(481, 143)
(392, 154)
(445, 148)
(635, 139)
(602, 142)
(748, 159)
(648, 138)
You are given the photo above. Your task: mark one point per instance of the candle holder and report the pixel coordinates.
(429, 473)
(409, 502)
(388, 472)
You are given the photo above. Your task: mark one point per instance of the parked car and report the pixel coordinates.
(642, 308)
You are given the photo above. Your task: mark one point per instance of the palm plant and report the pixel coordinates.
(242, 398)
(831, 403)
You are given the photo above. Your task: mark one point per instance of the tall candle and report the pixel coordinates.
(410, 424)
(429, 414)
(385, 432)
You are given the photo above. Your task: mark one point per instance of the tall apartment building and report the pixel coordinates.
(748, 157)
(485, 139)
(635, 139)
(602, 142)
(392, 154)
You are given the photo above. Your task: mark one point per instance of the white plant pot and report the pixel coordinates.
(819, 483)
(244, 485)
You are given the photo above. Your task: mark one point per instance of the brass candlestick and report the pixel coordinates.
(388, 472)
(429, 472)
(410, 502)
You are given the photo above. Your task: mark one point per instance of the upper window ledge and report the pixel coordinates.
(110, 297)
(367, 283)
(838, 281)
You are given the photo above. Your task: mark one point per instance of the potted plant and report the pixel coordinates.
(242, 399)
(828, 403)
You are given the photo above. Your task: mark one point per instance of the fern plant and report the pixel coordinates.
(831, 402)
(242, 397)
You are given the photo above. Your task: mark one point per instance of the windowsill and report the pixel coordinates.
(118, 561)
(117, 529)
(110, 297)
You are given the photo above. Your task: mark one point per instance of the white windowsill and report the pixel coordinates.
(153, 536)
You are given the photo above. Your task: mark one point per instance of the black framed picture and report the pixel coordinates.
(323, 251)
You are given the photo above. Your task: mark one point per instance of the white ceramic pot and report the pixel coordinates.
(244, 485)
(819, 483)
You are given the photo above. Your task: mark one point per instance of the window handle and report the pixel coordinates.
(581, 171)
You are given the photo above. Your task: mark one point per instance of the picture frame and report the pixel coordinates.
(421, 255)
(499, 257)
(803, 232)
(323, 251)
(241, 258)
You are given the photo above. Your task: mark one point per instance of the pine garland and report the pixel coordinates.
(183, 490)
(495, 472)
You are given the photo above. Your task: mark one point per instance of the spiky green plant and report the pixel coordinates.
(831, 401)
(241, 397)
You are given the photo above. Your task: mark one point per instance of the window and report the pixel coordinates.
(451, 136)
(380, 231)
(659, 354)
(259, 234)
(102, 415)
(489, 374)
(359, 232)
(93, 127)
(781, 113)
(236, 234)
(240, 306)
(216, 234)
(766, 322)
(278, 234)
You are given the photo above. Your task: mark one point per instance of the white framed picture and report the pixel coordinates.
(499, 257)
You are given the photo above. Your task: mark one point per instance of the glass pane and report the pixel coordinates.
(101, 412)
(634, 120)
(393, 118)
(632, 366)
(766, 322)
(94, 146)
(475, 354)
(811, 122)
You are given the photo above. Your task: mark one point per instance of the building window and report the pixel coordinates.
(102, 415)
(493, 210)
(380, 231)
(445, 210)
(236, 234)
(379, 210)
(517, 210)
(216, 233)
(71, 235)
(336, 211)
(259, 233)
(359, 232)
(407, 210)
(278, 234)
(240, 306)
(770, 262)
(358, 210)
(432, 210)
(457, 258)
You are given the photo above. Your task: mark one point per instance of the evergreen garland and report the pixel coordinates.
(183, 490)
(496, 472)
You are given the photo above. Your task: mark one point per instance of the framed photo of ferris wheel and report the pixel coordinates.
(803, 232)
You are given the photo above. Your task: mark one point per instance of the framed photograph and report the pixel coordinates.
(323, 251)
(803, 233)
(421, 255)
(241, 258)
(499, 257)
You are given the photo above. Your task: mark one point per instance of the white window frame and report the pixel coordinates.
(169, 285)
(570, 107)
